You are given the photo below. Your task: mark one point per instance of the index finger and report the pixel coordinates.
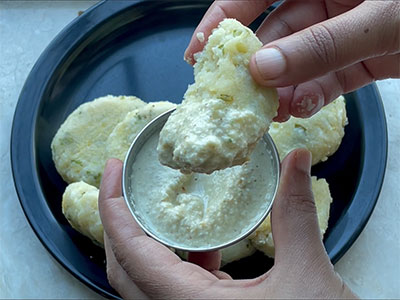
(245, 11)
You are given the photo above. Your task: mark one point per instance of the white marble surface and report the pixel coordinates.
(371, 267)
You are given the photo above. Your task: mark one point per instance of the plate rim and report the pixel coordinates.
(368, 92)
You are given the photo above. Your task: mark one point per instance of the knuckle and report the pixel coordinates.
(113, 275)
(343, 81)
(301, 202)
(283, 28)
(136, 244)
(120, 257)
(321, 43)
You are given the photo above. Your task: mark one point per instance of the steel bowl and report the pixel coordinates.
(154, 127)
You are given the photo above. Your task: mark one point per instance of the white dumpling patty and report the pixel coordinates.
(78, 147)
(225, 112)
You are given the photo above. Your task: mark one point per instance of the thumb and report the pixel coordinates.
(369, 30)
(294, 217)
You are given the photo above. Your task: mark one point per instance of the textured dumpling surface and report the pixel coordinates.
(225, 112)
(237, 251)
(125, 132)
(262, 237)
(79, 144)
(321, 134)
(80, 208)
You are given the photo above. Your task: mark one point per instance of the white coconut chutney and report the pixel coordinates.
(200, 210)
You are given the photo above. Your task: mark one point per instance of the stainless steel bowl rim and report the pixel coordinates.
(139, 141)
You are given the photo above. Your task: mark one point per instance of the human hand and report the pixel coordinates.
(315, 51)
(140, 267)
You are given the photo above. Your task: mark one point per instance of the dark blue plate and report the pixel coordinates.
(136, 48)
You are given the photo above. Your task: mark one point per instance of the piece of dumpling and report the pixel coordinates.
(80, 208)
(122, 136)
(321, 134)
(79, 144)
(262, 237)
(237, 251)
(225, 112)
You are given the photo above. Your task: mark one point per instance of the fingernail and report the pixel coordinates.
(308, 106)
(303, 160)
(270, 63)
(281, 118)
(188, 59)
